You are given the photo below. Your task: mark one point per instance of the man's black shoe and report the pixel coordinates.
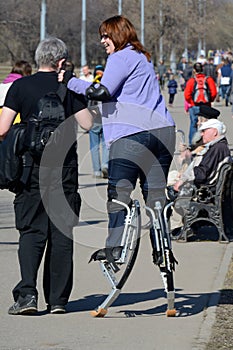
(24, 306)
(56, 309)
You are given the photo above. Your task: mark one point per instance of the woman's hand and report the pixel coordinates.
(64, 76)
(61, 75)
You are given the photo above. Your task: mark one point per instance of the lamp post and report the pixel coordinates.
(83, 34)
(201, 39)
(119, 7)
(142, 22)
(43, 20)
(204, 27)
(161, 29)
(186, 32)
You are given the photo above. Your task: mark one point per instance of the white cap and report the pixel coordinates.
(214, 123)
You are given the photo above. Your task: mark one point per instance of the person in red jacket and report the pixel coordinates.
(199, 90)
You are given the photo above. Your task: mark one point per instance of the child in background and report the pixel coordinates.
(172, 89)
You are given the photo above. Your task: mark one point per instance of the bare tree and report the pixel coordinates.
(20, 26)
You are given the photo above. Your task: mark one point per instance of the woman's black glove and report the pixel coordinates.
(98, 92)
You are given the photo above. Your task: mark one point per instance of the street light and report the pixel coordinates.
(201, 39)
(161, 30)
(119, 7)
(43, 20)
(83, 34)
(186, 32)
(142, 22)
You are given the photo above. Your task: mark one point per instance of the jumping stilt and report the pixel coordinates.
(162, 253)
(122, 259)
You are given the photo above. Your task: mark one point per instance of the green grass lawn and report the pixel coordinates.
(4, 70)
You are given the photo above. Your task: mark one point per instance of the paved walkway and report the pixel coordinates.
(137, 318)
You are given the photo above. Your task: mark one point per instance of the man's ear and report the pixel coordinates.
(60, 63)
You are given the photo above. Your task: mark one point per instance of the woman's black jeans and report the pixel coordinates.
(145, 156)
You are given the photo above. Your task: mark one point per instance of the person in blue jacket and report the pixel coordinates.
(172, 89)
(138, 128)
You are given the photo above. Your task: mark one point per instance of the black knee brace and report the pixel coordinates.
(122, 195)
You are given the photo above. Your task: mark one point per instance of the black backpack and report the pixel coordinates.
(12, 157)
(40, 127)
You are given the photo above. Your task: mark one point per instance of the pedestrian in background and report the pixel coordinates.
(224, 80)
(162, 74)
(99, 150)
(199, 90)
(182, 65)
(172, 89)
(86, 74)
(209, 69)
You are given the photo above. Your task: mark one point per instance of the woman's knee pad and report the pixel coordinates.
(120, 194)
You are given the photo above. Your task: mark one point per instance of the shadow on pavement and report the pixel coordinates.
(186, 304)
(9, 243)
(90, 222)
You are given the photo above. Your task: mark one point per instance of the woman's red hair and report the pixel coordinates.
(122, 32)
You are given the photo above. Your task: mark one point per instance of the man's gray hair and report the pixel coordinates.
(50, 51)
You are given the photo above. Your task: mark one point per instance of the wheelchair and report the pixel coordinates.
(210, 205)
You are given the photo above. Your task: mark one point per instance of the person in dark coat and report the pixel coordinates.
(172, 89)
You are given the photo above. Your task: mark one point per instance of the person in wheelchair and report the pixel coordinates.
(186, 155)
(204, 168)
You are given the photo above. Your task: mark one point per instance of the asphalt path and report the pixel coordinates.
(137, 319)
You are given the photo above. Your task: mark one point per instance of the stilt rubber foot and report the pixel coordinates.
(171, 313)
(99, 313)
